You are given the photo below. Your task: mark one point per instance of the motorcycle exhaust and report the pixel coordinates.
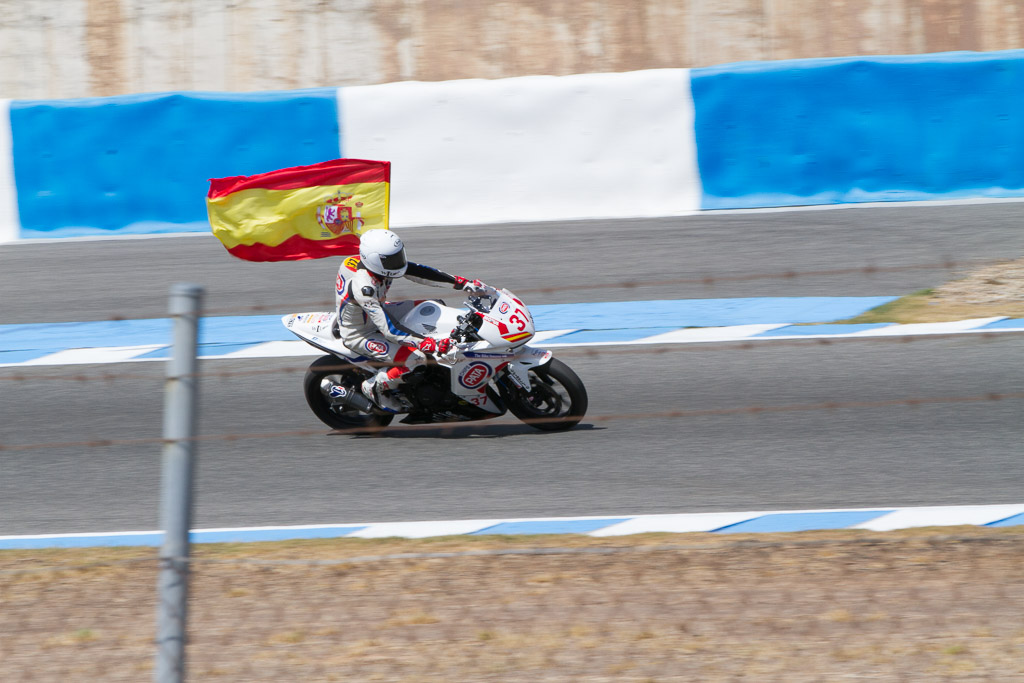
(349, 398)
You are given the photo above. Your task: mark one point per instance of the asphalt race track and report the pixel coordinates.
(777, 429)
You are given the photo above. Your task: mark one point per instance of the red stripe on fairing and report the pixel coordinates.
(334, 172)
(298, 248)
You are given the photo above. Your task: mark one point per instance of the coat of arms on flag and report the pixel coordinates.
(340, 214)
(303, 212)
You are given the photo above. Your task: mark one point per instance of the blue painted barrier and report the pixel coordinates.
(823, 131)
(796, 132)
(141, 163)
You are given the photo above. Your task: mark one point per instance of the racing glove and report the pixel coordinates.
(471, 286)
(438, 346)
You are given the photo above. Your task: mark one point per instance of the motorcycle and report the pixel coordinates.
(490, 369)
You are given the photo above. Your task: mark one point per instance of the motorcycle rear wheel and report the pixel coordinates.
(350, 376)
(556, 401)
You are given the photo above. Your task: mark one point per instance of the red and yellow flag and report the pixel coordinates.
(304, 212)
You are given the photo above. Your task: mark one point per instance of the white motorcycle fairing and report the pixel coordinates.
(500, 323)
(317, 329)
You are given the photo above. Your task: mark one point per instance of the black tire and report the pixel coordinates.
(340, 372)
(557, 400)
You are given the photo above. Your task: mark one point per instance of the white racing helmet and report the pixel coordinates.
(383, 253)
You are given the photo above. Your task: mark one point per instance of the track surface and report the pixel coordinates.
(932, 454)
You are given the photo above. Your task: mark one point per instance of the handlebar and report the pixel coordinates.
(470, 321)
(466, 329)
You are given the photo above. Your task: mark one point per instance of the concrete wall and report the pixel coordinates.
(80, 48)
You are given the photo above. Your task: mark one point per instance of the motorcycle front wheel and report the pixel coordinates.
(556, 401)
(349, 376)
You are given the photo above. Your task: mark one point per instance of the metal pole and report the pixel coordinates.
(176, 483)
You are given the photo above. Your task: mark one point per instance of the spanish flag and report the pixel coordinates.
(304, 212)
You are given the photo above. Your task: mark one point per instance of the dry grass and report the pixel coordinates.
(996, 290)
(926, 306)
(912, 605)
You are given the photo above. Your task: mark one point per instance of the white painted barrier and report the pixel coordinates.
(9, 226)
(531, 148)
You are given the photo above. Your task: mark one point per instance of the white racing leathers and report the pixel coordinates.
(368, 322)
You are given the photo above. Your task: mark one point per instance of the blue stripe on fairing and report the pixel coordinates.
(141, 163)
(555, 526)
(803, 521)
(395, 330)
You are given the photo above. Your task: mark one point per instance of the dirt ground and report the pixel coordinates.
(995, 284)
(914, 605)
(992, 290)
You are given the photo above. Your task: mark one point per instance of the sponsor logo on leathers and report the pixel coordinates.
(377, 346)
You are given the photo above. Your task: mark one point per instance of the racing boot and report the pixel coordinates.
(381, 387)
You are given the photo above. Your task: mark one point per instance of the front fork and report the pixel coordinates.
(515, 379)
(528, 358)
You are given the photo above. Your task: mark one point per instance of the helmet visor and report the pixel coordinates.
(393, 261)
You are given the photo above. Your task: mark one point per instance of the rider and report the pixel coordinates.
(368, 323)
